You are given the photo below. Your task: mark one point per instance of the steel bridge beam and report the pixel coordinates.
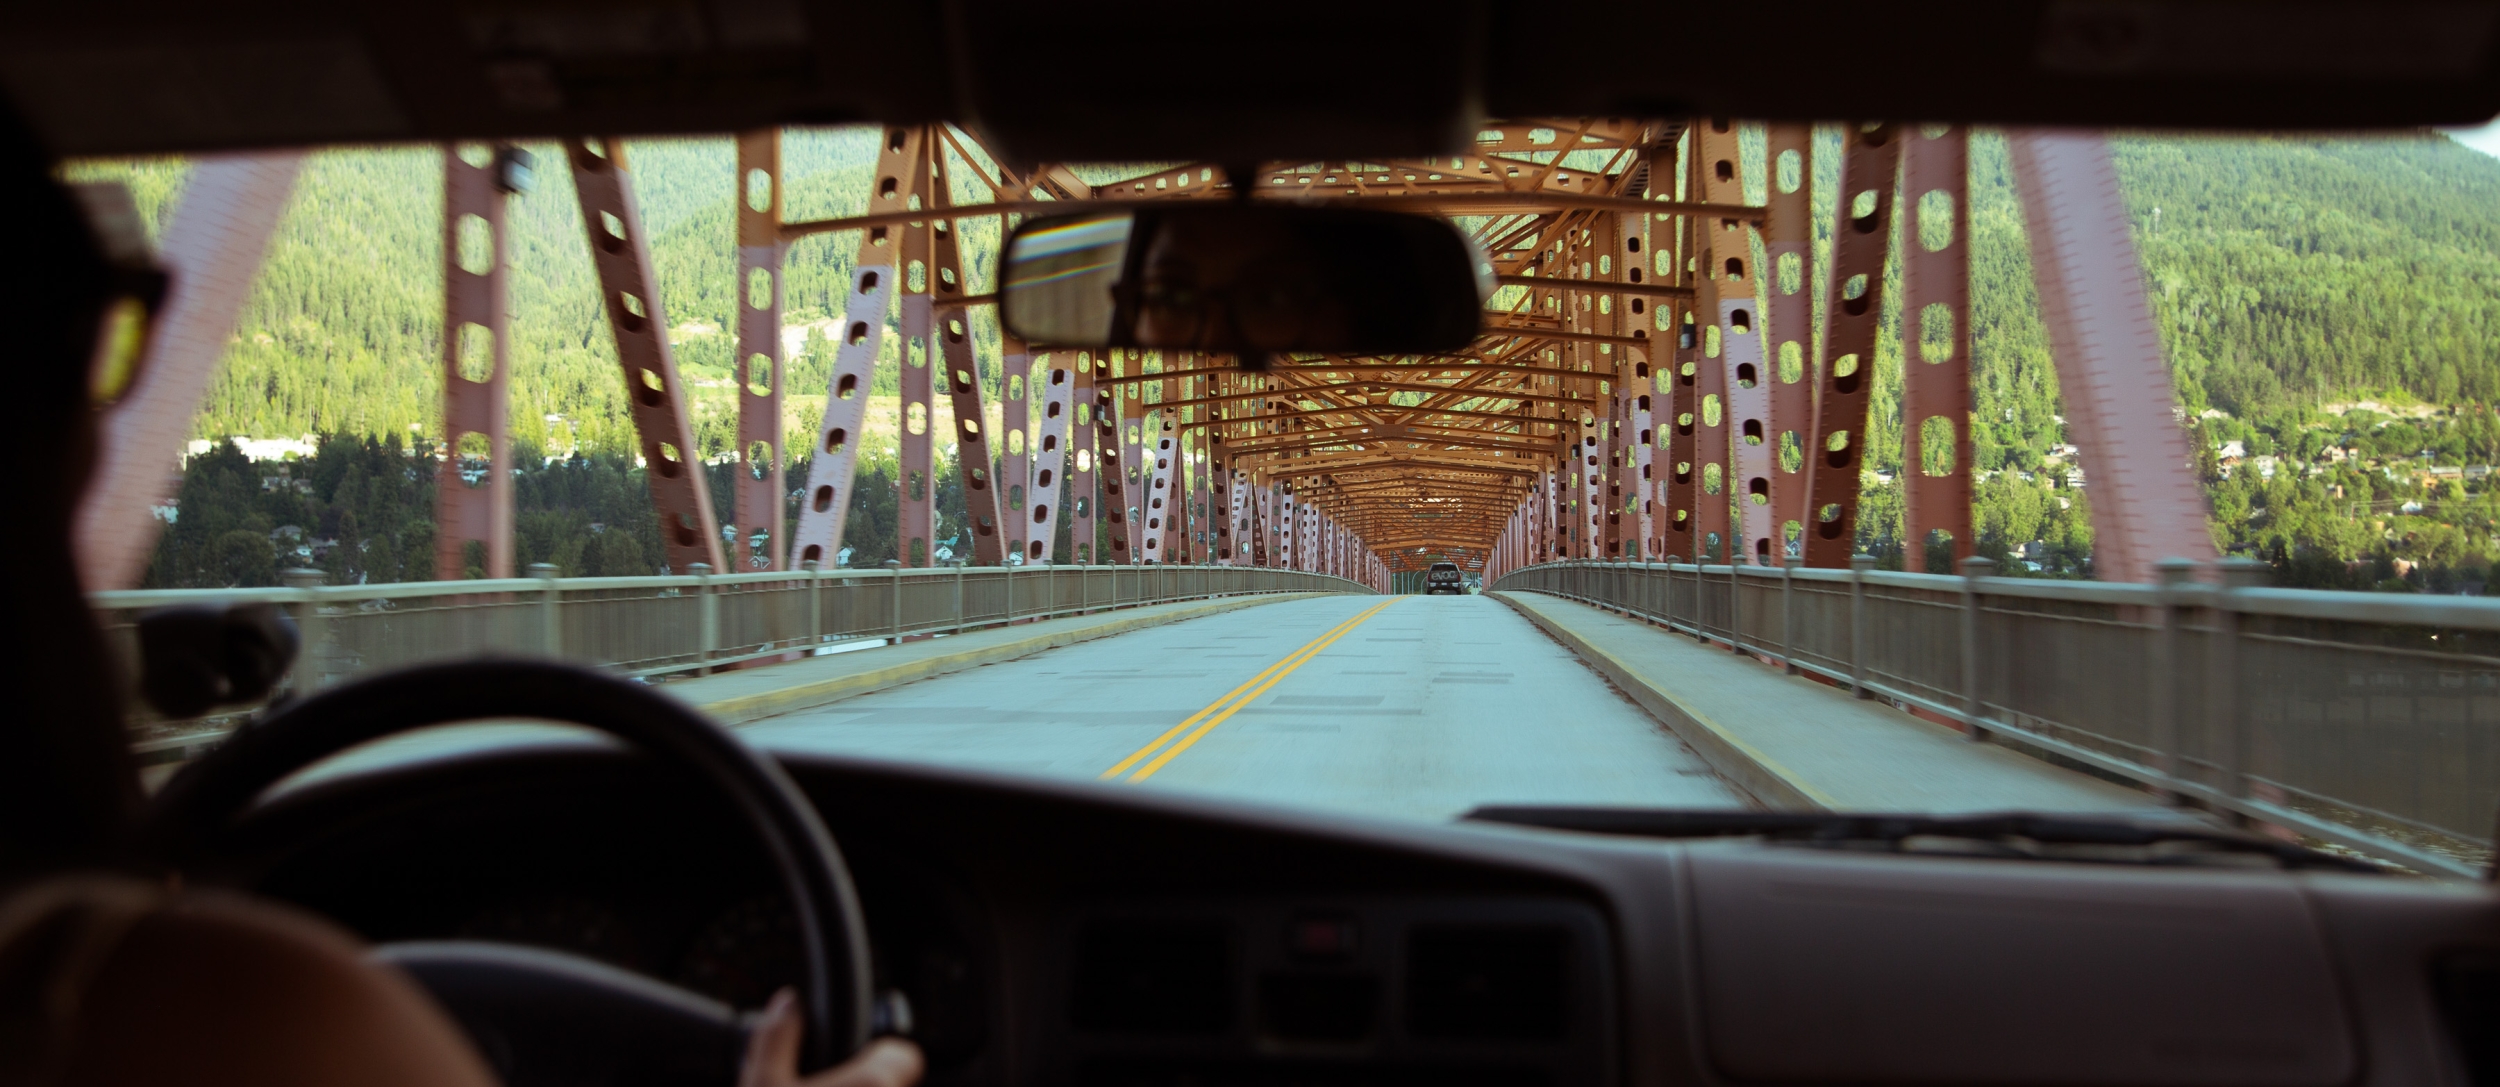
(2146, 504)
(1853, 310)
(621, 253)
(476, 295)
(211, 254)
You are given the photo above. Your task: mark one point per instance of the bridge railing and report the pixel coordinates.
(2364, 719)
(647, 626)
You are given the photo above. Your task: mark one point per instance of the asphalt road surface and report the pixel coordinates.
(1404, 706)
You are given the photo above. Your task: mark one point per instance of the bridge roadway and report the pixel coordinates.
(1409, 706)
(1398, 706)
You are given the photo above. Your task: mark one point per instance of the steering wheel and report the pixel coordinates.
(546, 1016)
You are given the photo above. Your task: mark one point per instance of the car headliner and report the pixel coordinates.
(1129, 80)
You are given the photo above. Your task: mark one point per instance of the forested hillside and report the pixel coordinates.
(343, 333)
(2293, 277)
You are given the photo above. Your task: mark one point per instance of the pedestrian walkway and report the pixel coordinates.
(1796, 744)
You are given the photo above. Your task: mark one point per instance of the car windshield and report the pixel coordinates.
(1773, 460)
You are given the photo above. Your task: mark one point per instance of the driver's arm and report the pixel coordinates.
(216, 989)
(212, 990)
(773, 1055)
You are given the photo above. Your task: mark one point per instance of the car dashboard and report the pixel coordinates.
(1070, 933)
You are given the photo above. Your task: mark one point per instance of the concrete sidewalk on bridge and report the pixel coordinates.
(753, 694)
(1796, 744)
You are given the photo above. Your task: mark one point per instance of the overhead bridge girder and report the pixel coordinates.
(1642, 387)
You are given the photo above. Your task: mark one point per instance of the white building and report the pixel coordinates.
(258, 449)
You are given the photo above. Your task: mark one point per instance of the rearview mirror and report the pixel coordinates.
(1244, 279)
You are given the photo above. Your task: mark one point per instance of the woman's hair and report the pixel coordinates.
(68, 793)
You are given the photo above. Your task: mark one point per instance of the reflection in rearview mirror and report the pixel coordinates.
(1243, 278)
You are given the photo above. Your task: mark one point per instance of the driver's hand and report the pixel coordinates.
(773, 1055)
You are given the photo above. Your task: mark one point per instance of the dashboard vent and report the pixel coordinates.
(1503, 982)
(1153, 977)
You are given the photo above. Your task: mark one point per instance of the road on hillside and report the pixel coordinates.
(1403, 706)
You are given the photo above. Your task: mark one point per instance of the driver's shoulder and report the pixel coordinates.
(115, 980)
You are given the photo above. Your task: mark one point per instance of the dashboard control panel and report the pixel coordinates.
(1163, 994)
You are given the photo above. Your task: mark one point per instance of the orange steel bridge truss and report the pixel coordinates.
(1656, 376)
(1597, 386)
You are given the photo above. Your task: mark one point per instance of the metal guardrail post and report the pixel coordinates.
(2232, 751)
(550, 615)
(850, 607)
(815, 602)
(2162, 672)
(1010, 582)
(707, 611)
(958, 564)
(894, 594)
(1788, 613)
(306, 675)
(1670, 608)
(1735, 598)
(1858, 567)
(1974, 700)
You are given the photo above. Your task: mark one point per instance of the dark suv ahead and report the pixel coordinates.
(1445, 578)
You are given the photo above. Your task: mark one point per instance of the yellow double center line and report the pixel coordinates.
(1204, 721)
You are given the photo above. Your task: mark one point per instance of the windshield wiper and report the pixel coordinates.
(2170, 840)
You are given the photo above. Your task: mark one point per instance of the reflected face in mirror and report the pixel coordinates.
(1230, 277)
(1212, 282)
(1061, 275)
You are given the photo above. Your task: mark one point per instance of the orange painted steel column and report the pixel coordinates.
(1159, 503)
(1611, 318)
(1053, 383)
(957, 368)
(1788, 323)
(1286, 551)
(1262, 516)
(1639, 499)
(1853, 312)
(1588, 499)
(2146, 504)
(761, 367)
(1011, 462)
(1111, 468)
(211, 254)
(622, 254)
(1710, 145)
(825, 510)
(1084, 486)
(1935, 342)
(915, 517)
(1640, 507)
(475, 297)
(1136, 468)
(1618, 463)
(1673, 261)
(1234, 549)
(1206, 498)
(1555, 540)
(1743, 363)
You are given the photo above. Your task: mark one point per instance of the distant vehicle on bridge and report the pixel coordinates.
(1444, 577)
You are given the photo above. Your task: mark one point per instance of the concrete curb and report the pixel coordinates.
(743, 709)
(1770, 784)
